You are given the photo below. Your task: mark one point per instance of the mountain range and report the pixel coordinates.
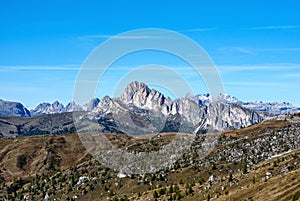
(143, 110)
(8, 108)
(139, 110)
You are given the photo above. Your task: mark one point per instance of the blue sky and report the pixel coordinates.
(255, 46)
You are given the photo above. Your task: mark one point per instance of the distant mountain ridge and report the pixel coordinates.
(139, 110)
(57, 107)
(144, 110)
(266, 108)
(8, 108)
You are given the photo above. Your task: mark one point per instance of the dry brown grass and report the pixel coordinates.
(258, 129)
(68, 151)
(275, 189)
(65, 150)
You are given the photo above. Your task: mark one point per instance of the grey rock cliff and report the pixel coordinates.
(147, 108)
(71, 107)
(91, 105)
(139, 110)
(139, 94)
(47, 108)
(8, 108)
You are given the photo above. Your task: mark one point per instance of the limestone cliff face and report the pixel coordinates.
(55, 107)
(91, 105)
(8, 108)
(142, 107)
(139, 110)
(139, 94)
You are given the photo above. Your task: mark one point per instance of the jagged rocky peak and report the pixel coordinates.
(201, 99)
(40, 109)
(91, 105)
(105, 104)
(8, 108)
(72, 106)
(47, 108)
(190, 109)
(55, 107)
(226, 98)
(57, 104)
(135, 92)
(231, 116)
(139, 94)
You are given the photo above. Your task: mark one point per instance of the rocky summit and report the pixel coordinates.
(8, 108)
(141, 110)
(56, 107)
(140, 95)
(144, 110)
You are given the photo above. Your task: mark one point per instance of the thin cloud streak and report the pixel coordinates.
(106, 36)
(198, 29)
(229, 68)
(55, 68)
(91, 37)
(254, 51)
(278, 84)
(274, 27)
(270, 67)
(243, 50)
(278, 49)
(293, 75)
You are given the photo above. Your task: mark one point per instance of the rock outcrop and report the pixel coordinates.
(141, 110)
(8, 108)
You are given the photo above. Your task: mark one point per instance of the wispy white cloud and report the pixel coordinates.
(204, 29)
(268, 67)
(278, 49)
(104, 36)
(55, 68)
(255, 83)
(255, 51)
(293, 75)
(153, 67)
(286, 70)
(243, 50)
(274, 27)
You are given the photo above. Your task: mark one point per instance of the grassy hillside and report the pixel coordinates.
(260, 162)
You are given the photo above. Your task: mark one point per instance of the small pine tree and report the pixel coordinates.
(214, 167)
(165, 190)
(126, 198)
(253, 180)
(111, 193)
(230, 179)
(161, 192)
(190, 190)
(21, 161)
(180, 181)
(245, 171)
(155, 194)
(295, 197)
(171, 190)
(177, 195)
